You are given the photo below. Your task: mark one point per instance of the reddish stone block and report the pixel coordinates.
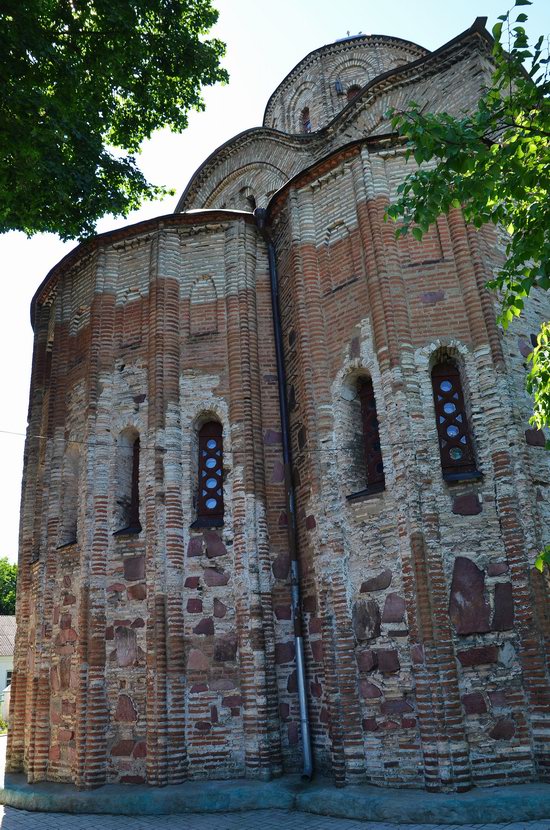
(220, 610)
(468, 608)
(292, 683)
(474, 703)
(215, 578)
(497, 568)
(214, 545)
(324, 715)
(503, 617)
(223, 684)
(114, 588)
(134, 568)
(284, 652)
(366, 660)
(109, 633)
(194, 548)
(205, 626)
(395, 707)
(369, 690)
(214, 714)
(292, 733)
(137, 592)
(408, 723)
(66, 581)
(54, 753)
(417, 653)
(225, 649)
(126, 710)
(70, 599)
(203, 726)
(390, 724)
(283, 519)
(140, 750)
(316, 689)
(192, 582)
(503, 730)
(535, 437)
(366, 619)
(394, 609)
(272, 436)
(232, 701)
(122, 749)
(139, 622)
(315, 625)
(370, 725)
(317, 650)
(377, 583)
(194, 605)
(388, 661)
(281, 566)
(310, 522)
(432, 297)
(524, 346)
(483, 655)
(66, 620)
(198, 688)
(284, 711)
(498, 698)
(132, 779)
(278, 473)
(197, 660)
(467, 504)
(283, 612)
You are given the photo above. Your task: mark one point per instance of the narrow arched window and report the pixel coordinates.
(455, 441)
(127, 499)
(210, 492)
(371, 436)
(305, 120)
(352, 92)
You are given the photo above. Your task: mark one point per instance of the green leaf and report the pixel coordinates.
(497, 31)
(417, 233)
(523, 3)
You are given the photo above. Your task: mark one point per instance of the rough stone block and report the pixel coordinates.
(366, 619)
(377, 583)
(394, 609)
(468, 607)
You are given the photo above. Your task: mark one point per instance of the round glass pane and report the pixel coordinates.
(211, 482)
(211, 444)
(449, 408)
(452, 431)
(455, 453)
(446, 385)
(211, 503)
(211, 462)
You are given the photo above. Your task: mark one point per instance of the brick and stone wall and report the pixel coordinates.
(167, 653)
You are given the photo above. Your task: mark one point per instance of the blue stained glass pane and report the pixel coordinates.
(211, 503)
(211, 462)
(452, 431)
(446, 385)
(211, 482)
(211, 444)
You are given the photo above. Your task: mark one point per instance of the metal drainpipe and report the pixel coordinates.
(260, 216)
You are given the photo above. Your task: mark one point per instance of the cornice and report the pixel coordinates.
(128, 234)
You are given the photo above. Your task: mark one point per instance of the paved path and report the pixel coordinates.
(11, 819)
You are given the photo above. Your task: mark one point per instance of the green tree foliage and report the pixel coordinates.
(8, 579)
(494, 163)
(84, 82)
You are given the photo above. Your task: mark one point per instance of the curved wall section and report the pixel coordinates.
(142, 654)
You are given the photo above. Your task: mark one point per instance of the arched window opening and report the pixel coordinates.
(455, 441)
(71, 480)
(364, 464)
(305, 120)
(210, 489)
(127, 512)
(352, 92)
(371, 436)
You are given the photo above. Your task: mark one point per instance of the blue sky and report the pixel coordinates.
(264, 42)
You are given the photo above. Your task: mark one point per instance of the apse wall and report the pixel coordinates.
(431, 667)
(148, 653)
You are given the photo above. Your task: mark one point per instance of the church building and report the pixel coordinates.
(281, 498)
